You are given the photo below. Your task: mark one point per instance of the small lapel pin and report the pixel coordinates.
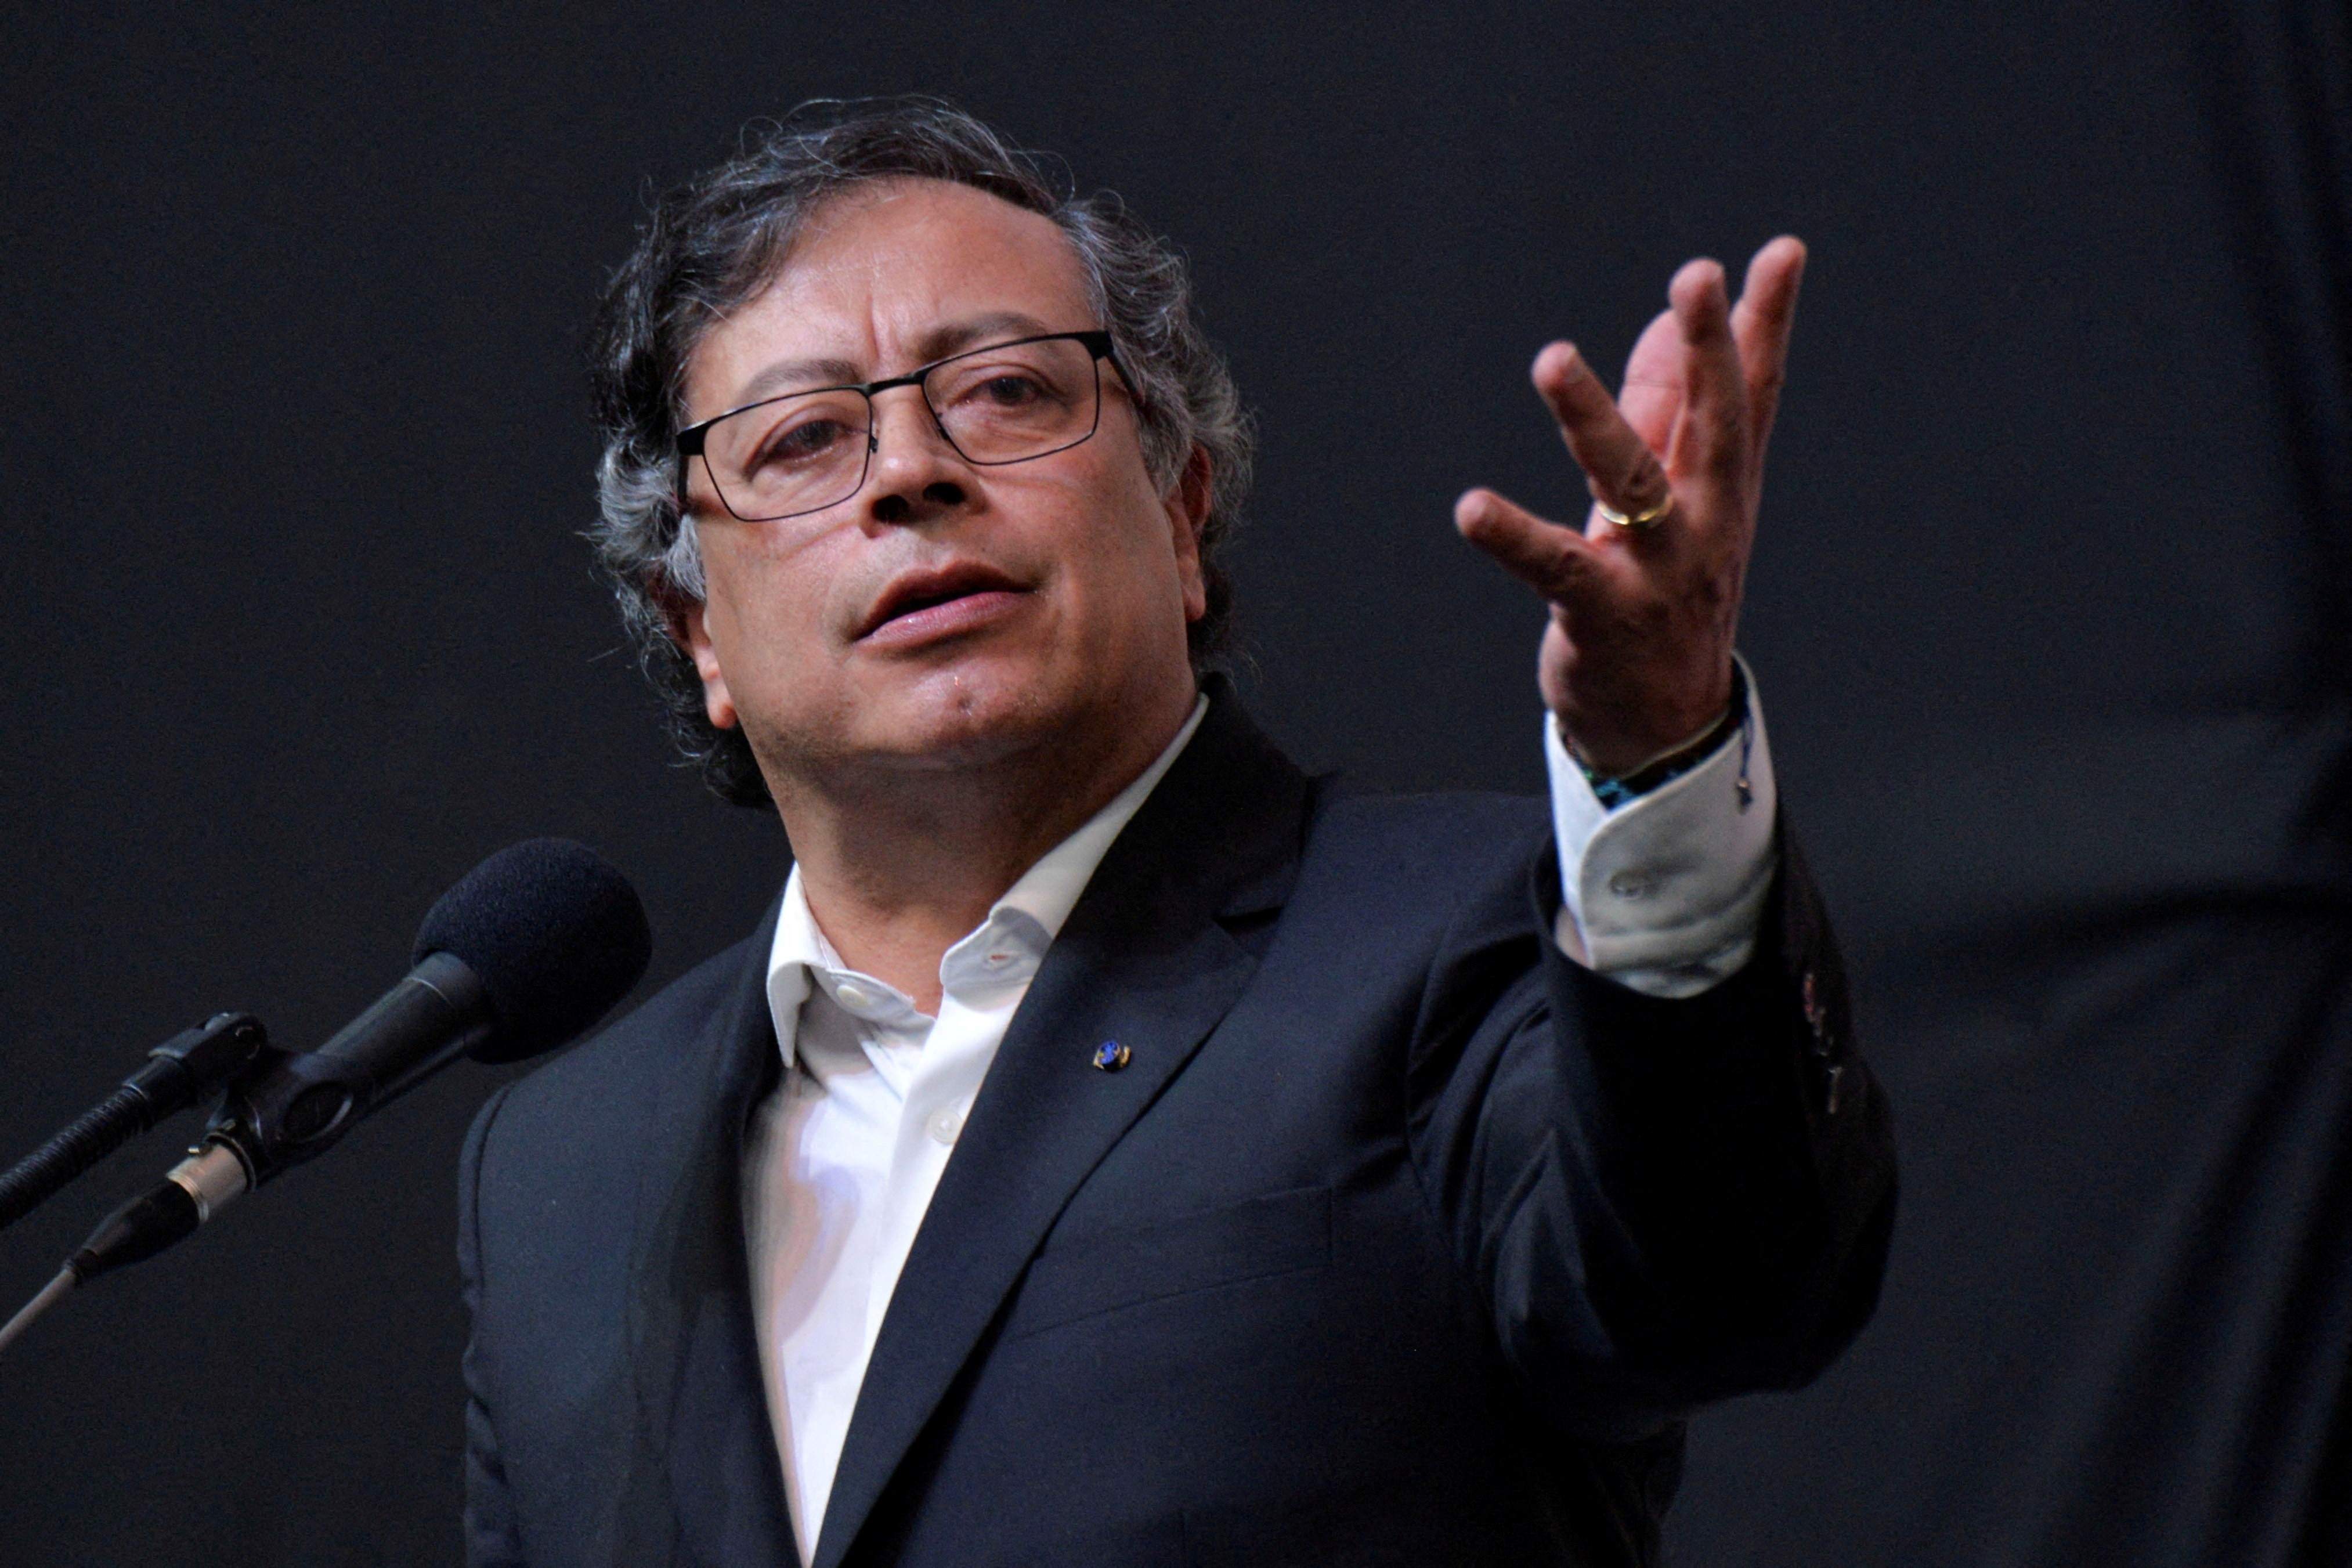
(1110, 1056)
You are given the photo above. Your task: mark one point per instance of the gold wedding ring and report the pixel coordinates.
(1634, 519)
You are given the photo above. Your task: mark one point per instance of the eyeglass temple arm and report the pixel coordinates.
(1100, 344)
(689, 447)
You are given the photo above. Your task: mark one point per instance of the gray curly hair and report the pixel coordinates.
(714, 242)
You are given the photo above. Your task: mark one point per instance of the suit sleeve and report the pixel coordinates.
(492, 1539)
(1659, 1202)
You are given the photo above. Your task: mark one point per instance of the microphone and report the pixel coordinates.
(524, 953)
(532, 947)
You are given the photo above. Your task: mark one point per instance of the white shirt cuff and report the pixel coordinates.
(1665, 893)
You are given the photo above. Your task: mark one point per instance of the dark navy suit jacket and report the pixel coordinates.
(1399, 1239)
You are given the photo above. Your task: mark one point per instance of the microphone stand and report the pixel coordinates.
(179, 1072)
(182, 1070)
(281, 1109)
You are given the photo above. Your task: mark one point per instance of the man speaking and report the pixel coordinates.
(1115, 1146)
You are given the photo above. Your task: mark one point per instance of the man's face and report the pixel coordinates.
(947, 614)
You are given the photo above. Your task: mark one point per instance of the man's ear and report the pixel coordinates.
(686, 628)
(1187, 502)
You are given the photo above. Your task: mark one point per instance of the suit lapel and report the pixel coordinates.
(1142, 961)
(696, 1364)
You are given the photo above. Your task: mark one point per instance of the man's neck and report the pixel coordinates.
(899, 865)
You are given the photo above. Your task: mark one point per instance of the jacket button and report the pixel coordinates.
(1110, 1056)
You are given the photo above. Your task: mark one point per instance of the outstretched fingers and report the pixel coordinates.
(1558, 563)
(1711, 441)
(1622, 470)
(1761, 323)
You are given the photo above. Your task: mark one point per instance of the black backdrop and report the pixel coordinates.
(2049, 616)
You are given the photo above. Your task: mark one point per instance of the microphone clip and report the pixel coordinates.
(291, 1106)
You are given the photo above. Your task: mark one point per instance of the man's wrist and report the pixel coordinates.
(1614, 788)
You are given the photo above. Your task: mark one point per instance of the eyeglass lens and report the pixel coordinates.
(806, 452)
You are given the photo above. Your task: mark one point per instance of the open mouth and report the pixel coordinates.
(944, 599)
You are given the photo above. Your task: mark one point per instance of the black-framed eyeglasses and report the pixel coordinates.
(804, 451)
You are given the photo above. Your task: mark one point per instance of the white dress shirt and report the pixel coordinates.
(1664, 894)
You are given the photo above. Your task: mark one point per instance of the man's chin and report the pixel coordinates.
(977, 711)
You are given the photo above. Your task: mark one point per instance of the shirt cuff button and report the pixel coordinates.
(1633, 884)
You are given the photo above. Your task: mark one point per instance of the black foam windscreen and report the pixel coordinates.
(556, 934)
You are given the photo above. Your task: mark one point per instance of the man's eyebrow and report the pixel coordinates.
(796, 376)
(941, 340)
(933, 343)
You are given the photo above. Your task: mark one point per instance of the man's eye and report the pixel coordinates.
(798, 443)
(1010, 390)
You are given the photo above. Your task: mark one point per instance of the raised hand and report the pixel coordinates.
(1645, 598)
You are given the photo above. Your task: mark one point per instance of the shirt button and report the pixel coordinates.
(945, 1125)
(851, 995)
(1633, 884)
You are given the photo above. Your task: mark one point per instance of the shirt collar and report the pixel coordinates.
(1004, 949)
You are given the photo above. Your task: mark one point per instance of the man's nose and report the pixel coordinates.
(915, 472)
